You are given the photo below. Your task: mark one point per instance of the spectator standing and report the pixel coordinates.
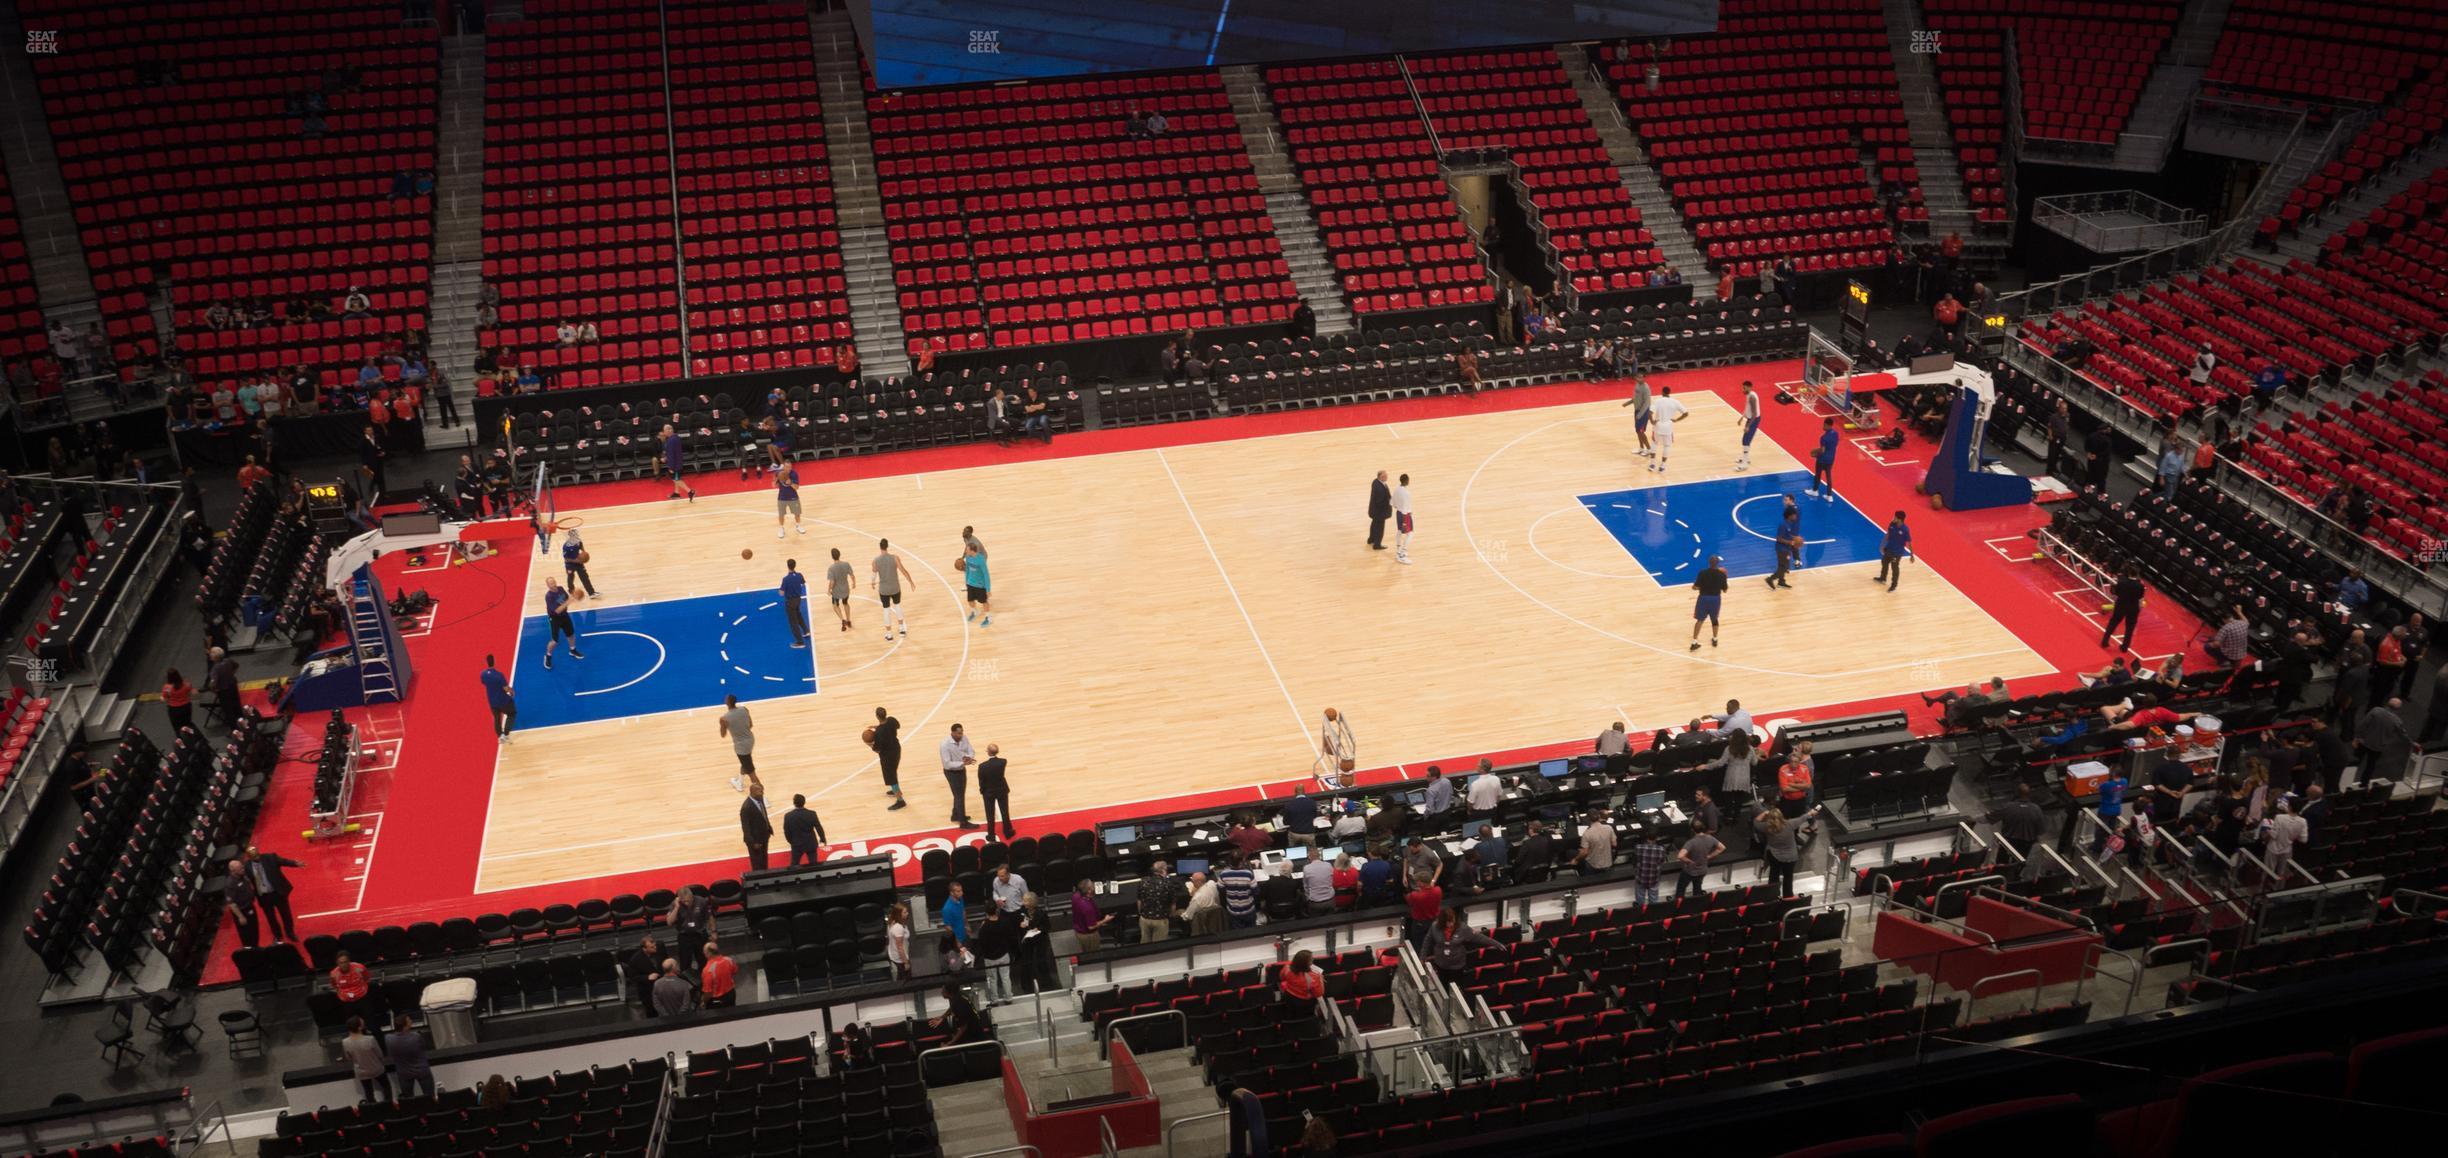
(1158, 897)
(1087, 920)
(1238, 888)
(692, 921)
(1777, 849)
(366, 1062)
(1692, 861)
(413, 1073)
(672, 995)
(718, 981)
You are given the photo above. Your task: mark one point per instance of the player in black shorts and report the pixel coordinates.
(1711, 589)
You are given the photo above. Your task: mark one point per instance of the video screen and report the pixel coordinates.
(918, 43)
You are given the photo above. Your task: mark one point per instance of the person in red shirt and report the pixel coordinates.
(354, 986)
(1248, 838)
(1346, 881)
(1426, 900)
(251, 473)
(1302, 980)
(1949, 313)
(718, 982)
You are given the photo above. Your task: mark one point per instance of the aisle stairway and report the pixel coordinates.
(61, 277)
(858, 202)
(1657, 210)
(1287, 202)
(1933, 141)
(458, 245)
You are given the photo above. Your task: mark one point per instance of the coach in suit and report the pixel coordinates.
(272, 890)
(1381, 508)
(756, 828)
(995, 790)
(802, 830)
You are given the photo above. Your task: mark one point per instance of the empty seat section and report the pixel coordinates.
(1029, 214)
(757, 227)
(250, 159)
(578, 192)
(25, 354)
(1390, 226)
(1765, 132)
(1522, 101)
(2316, 53)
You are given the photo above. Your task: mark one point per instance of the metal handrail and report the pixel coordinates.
(1973, 994)
(1813, 912)
(2150, 956)
(2104, 875)
(2101, 952)
(2141, 884)
(1965, 829)
(2062, 863)
(1106, 1139)
(2068, 916)
(1178, 1123)
(2438, 901)
(1105, 1036)
(1938, 898)
(988, 1043)
(658, 1133)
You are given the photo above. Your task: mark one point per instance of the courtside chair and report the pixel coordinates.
(965, 859)
(935, 862)
(594, 915)
(658, 902)
(561, 921)
(727, 893)
(322, 951)
(1022, 851)
(115, 1036)
(993, 855)
(459, 935)
(628, 909)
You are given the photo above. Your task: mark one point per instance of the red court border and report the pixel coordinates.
(425, 817)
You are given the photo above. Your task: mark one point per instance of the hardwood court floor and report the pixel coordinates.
(1170, 621)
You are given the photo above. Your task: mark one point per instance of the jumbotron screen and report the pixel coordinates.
(918, 43)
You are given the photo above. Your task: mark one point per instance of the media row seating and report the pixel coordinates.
(36, 534)
(929, 408)
(102, 583)
(757, 229)
(1777, 109)
(525, 959)
(1522, 102)
(1414, 361)
(1389, 222)
(2312, 53)
(2401, 129)
(2081, 63)
(1027, 214)
(578, 191)
(600, 1110)
(22, 338)
(187, 153)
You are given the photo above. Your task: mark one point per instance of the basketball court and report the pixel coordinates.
(1175, 619)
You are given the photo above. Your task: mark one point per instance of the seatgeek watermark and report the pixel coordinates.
(985, 42)
(42, 42)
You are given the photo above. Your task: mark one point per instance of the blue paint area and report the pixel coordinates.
(1672, 528)
(661, 657)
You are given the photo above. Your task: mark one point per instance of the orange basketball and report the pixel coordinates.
(867, 737)
(745, 553)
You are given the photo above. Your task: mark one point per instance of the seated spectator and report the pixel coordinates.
(1302, 980)
(588, 333)
(1157, 125)
(565, 334)
(356, 304)
(1134, 125)
(217, 315)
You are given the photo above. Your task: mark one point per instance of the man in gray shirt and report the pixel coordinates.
(406, 1048)
(1734, 717)
(1613, 741)
(837, 588)
(1009, 888)
(1597, 844)
(1317, 886)
(1438, 796)
(672, 992)
(956, 756)
(735, 724)
(889, 572)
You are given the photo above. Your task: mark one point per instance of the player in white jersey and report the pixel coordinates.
(1750, 424)
(1664, 412)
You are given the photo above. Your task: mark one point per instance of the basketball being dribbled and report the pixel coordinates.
(747, 553)
(867, 737)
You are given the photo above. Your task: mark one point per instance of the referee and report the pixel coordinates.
(794, 602)
(1711, 589)
(556, 614)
